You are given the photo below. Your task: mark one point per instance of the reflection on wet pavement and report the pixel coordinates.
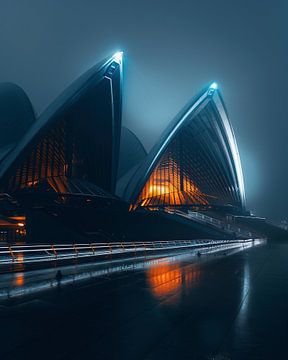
(229, 305)
(36, 281)
(167, 279)
(18, 279)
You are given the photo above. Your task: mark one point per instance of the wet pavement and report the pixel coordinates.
(219, 306)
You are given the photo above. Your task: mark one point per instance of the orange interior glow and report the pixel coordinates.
(169, 185)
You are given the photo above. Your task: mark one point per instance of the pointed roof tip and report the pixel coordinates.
(213, 86)
(117, 57)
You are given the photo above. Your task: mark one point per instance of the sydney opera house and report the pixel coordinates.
(195, 163)
(76, 171)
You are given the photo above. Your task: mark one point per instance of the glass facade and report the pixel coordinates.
(194, 163)
(170, 185)
(76, 148)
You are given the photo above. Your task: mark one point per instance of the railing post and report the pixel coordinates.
(11, 253)
(134, 248)
(111, 250)
(93, 250)
(54, 251)
(75, 248)
(144, 245)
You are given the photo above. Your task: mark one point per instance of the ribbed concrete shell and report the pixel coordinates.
(195, 162)
(76, 139)
(16, 116)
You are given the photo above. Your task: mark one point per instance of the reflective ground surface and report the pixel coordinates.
(224, 306)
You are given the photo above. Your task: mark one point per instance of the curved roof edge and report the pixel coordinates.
(197, 102)
(16, 116)
(132, 151)
(132, 154)
(92, 76)
(220, 105)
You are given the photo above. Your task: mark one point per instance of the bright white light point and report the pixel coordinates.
(118, 57)
(214, 86)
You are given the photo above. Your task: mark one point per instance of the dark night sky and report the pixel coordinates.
(172, 50)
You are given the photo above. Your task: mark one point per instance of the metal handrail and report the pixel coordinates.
(24, 253)
(229, 228)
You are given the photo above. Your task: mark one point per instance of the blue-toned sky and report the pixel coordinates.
(172, 50)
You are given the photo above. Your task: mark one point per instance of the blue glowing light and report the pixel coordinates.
(118, 57)
(214, 86)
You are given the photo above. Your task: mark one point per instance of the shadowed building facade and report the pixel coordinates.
(195, 162)
(73, 147)
(132, 154)
(59, 171)
(67, 158)
(16, 117)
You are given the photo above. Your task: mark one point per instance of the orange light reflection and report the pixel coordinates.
(19, 279)
(169, 279)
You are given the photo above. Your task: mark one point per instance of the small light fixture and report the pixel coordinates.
(21, 224)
